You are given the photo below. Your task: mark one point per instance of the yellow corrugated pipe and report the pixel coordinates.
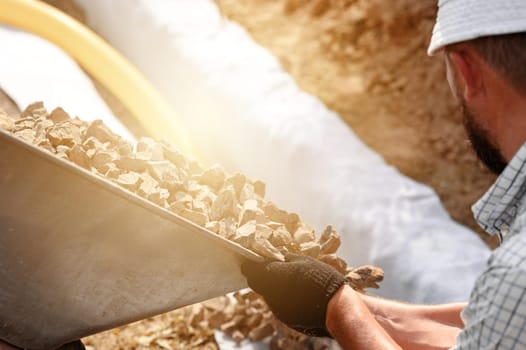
(104, 63)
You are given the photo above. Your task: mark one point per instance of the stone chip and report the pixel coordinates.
(224, 204)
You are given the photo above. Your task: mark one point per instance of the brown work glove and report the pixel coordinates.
(297, 290)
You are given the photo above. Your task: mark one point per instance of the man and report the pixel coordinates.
(483, 43)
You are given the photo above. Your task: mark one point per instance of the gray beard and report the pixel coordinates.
(486, 151)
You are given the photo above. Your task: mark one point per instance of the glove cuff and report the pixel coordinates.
(334, 283)
(331, 287)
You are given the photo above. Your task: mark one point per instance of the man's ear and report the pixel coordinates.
(468, 73)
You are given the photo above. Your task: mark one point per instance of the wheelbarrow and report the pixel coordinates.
(80, 255)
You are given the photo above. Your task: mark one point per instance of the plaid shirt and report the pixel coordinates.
(495, 317)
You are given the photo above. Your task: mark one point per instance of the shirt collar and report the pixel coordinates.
(497, 209)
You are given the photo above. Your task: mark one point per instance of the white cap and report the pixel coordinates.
(461, 20)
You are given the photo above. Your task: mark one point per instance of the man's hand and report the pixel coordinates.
(297, 290)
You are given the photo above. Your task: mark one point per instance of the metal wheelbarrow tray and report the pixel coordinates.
(79, 255)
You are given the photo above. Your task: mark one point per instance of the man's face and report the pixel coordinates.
(480, 139)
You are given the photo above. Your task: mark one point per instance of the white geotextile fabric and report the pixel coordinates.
(33, 69)
(247, 114)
